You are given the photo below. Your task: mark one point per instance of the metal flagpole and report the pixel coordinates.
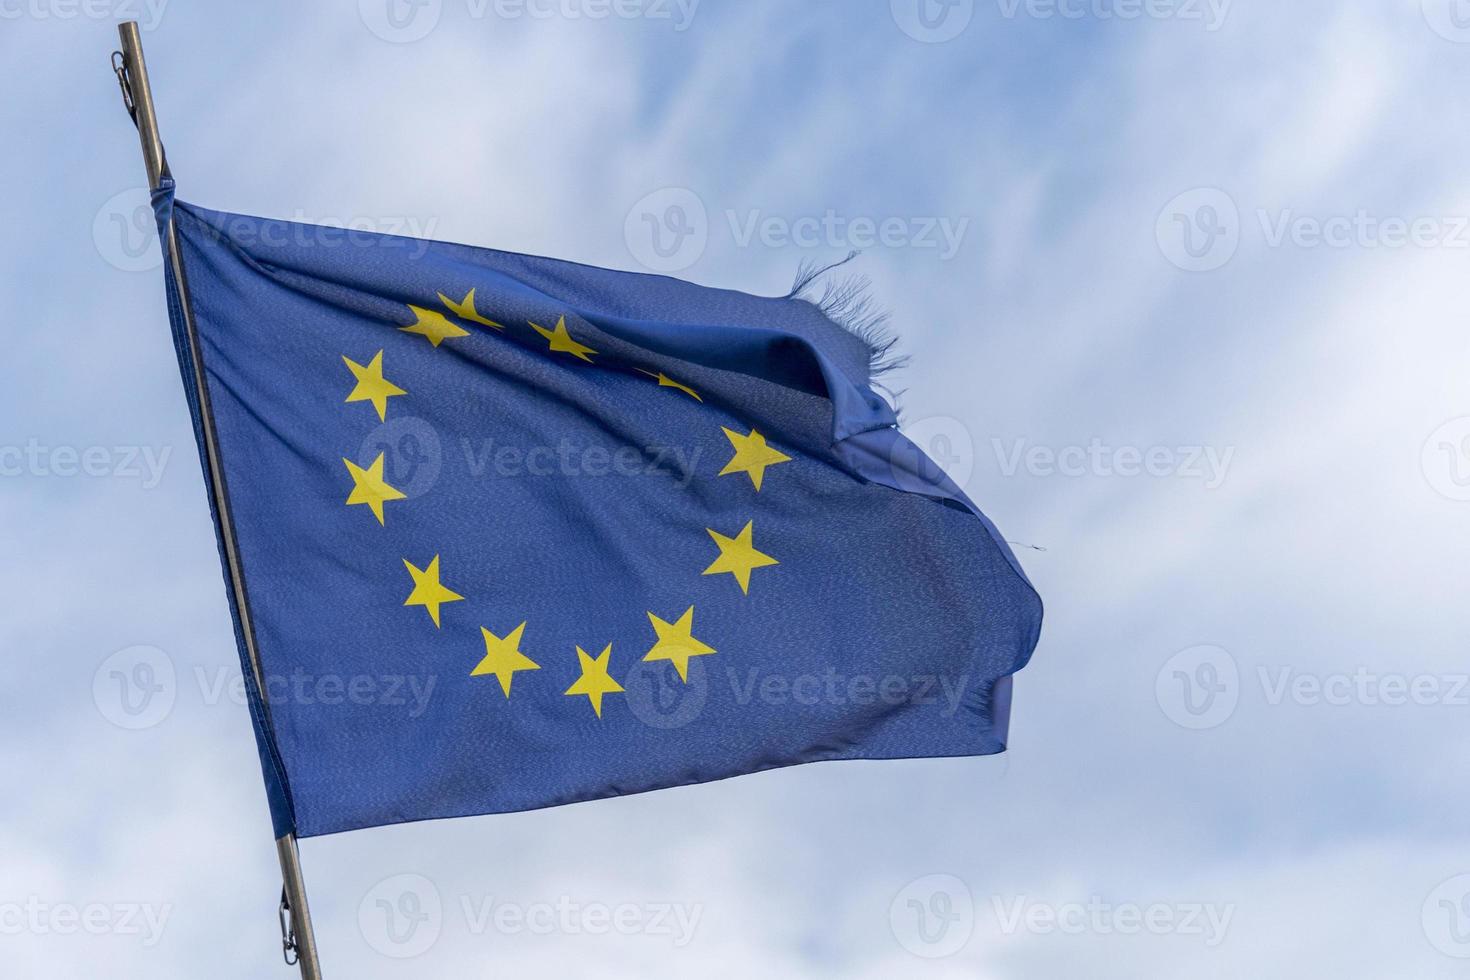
(132, 74)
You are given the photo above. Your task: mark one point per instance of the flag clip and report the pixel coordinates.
(120, 69)
(289, 950)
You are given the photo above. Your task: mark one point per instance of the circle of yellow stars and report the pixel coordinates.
(675, 641)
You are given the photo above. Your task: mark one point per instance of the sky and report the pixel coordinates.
(1182, 287)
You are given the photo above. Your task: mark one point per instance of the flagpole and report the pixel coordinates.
(132, 74)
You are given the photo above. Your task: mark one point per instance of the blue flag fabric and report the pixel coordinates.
(518, 532)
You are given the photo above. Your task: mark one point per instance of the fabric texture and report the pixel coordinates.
(518, 532)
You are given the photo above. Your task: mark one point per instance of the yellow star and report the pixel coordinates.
(370, 488)
(676, 642)
(738, 556)
(503, 657)
(433, 325)
(428, 591)
(465, 310)
(664, 381)
(562, 341)
(752, 456)
(371, 385)
(595, 681)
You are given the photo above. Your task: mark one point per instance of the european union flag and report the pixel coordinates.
(515, 532)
